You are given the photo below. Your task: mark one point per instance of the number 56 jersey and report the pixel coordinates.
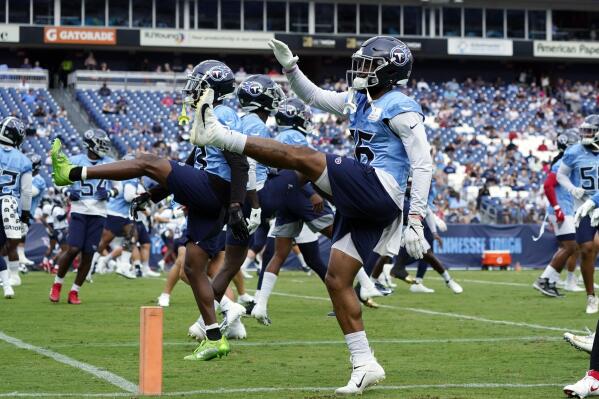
(90, 202)
(584, 165)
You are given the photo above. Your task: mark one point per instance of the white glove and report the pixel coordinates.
(206, 127)
(578, 192)
(350, 105)
(413, 238)
(595, 217)
(282, 53)
(441, 225)
(254, 220)
(583, 211)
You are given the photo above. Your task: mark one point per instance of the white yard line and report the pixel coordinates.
(280, 389)
(488, 282)
(105, 375)
(446, 314)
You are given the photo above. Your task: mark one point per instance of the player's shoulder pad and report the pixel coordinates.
(252, 125)
(228, 117)
(572, 153)
(395, 103)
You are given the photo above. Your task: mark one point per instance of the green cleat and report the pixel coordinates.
(208, 350)
(61, 166)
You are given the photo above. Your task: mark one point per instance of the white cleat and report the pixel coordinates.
(237, 330)
(23, 268)
(125, 271)
(369, 292)
(197, 330)
(246, 275)
(581, 342)
(9, 293)
(164, 300)
(14, 278)
(592, 304)
(571, 286)
(421, 289)
(362, 377)
(147, 272)
(24, 261)
(560, 283)
(259, 313)
(233, 314)
(245, 299)
(587, 386)
(455, 287)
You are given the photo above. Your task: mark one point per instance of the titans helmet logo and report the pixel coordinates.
(400, 55)
(254, 89)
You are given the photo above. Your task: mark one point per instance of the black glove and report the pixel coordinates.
(237, 223)
(139, 204)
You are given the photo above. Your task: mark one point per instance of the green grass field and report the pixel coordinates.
(493, 341)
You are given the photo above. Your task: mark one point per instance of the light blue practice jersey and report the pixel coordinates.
(13, 164)
(564, 198)
(585, 167)
(89, 204)
(252, 125)
(292, 137)
(216, 162)
(118, 206)
(39, 183)
(375, 143)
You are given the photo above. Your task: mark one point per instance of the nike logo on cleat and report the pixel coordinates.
(412, 127)
(361, 381)
(593, 389)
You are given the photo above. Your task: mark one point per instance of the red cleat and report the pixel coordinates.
(55, 292)
(74, 298)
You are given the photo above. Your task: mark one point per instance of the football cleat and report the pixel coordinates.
(382, 289)
(208, 350)
(74, 298)
(237, 330)
(55, 292)
(244, 299)
(362, 377)
(368, 292)
(245, 273)
(23, 267)
(581, 342)
(385, 277)
(592, 304)
(61, 166)
(259, 313)
(14, 278)
(587, 386)
(233, 314)
(571, 286)
(164, 300)
(125, 270)
(421, 289)
(9, 293)
(147, 272)
(455, 287)
(546, 288)
(197, 330)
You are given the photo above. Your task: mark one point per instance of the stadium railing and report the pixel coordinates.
(35, 78)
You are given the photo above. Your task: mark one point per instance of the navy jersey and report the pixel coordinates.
(39, 183)
(564, 198)
(216, 162)
(119, 206)
(89, 204)
(13, 164)
(375, 143)
(292, 137)
(252, 125)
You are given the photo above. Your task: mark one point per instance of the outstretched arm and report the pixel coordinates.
(326, 100)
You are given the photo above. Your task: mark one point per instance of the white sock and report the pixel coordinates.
(446, 276)
(225, 303)
(551, 274)
(13, 265)
(21, 252)
(75, 287)
(4, 277)
(359, 348)
(418, 280)
(571, 276)
(300, 257)
(145, 265)
(247, 262)
(211, 326)
(164, 294)
(257, 296)
(268, 283)
(126, 256)
(59, 280)
(363, 279)
(233, 141)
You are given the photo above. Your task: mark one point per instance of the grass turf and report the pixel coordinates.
(467, 339)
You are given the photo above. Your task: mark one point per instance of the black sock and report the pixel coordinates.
(213, 334)
(75, 173)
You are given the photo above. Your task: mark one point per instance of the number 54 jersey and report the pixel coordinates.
(584, 165)
(91, 200)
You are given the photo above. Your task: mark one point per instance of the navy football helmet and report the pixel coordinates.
(12, 131)
(259, 92)
(381, 61)
(294, 114)
(209, 74)
(589, 131)
(36, 161)
(97, 141)
(567, 138)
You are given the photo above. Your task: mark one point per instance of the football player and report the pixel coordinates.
(367, 190)
(16, 187)
(38, 189)
(561, 216)
(589, 384)
(578, 174)
(88, 213)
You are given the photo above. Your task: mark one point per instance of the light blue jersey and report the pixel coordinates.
(39, 183)
(585, 167)
(292, 137)
(375, 143)
(13, 164)
(199, 161)
(564, 198)
(89, 204)
(252, 125)
(119, 206)
(216, 162)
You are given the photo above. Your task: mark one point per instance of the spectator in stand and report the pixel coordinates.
(26, 64)
(29, 98)
(167, 67)
(121, 105)
(24, 86)
(62, 113)
(167, 101)
(37, 66)
(90, 62)
(158, 69)
(104, 67)
(39, 111)
(116, 128)
(108, 108)
(422, 85)
(542, 146)
(156, 128)
(189, 69)
(450, 168)
(240, 74)
(104, 91)
(43, 130)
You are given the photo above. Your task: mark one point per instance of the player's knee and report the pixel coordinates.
(569, 248)
(333, 282)
(587, 250)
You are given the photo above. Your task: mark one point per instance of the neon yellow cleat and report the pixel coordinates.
(208, 350)
(61, 166)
